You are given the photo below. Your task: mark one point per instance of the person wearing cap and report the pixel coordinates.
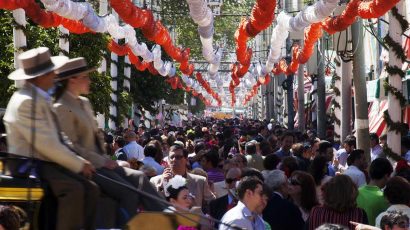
(33, 131)
(76, 118)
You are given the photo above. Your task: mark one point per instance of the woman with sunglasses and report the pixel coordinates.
(302, 190)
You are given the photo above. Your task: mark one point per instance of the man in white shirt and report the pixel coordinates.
(349, 144)
(133, 149)
(375, 148)
(356, 162)
(243, 215)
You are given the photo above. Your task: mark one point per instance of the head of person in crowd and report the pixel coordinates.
(287, 140)
(314, 143)
(232, 176)
(358, 159)
(141, 129)
(178, 159)
(380, 171)
(250, 192)
(302, 189)
(108, 143)
(394, 220)
(288, 165)
(190, 135)
(397, 191)
(383, 139)
(271, 162)
(276, 181)
(159, 156)
(349, 144)
(250, 148)
(177, 193)
(150, 150)
(328, 226)
(119, 143)
(210, 160)
(180, 136)
(273, 142)
(297, 149)
(239, 161)
(346, 191)
(251, 172)
(171, 139)
(263, 131)
(264, 202)
(190, 146)
(374, 140)
(10, 218)
(325, 149)
(318, 169)
(265, 148)
(130, 136)
(164, 145)
(215, 128)
(242, 144)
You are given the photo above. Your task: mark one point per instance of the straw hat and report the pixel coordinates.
(36, 62)
(73, 67)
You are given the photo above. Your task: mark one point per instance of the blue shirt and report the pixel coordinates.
(281, 153)
(149, 161)
(134, 150)
(331, 170)
(241, 217)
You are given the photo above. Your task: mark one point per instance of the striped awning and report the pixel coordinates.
(376, 120)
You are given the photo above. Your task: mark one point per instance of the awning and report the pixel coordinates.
(376, 120)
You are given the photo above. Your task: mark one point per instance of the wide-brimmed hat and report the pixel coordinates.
(73, 67)
(36, 62)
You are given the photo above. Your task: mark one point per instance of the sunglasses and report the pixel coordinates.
(293, 181)
(176, 157)
(230, 180)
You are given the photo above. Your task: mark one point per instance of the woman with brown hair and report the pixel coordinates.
(339, 206)
(302, 190)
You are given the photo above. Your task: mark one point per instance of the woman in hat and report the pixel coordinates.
(76, 118)
(33, 132)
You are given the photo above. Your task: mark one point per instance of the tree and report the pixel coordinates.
(91, 46)
(6, 61)
(146, 89)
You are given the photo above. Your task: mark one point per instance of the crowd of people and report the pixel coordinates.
(234, 173)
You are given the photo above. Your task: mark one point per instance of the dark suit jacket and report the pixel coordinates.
(218, 207)
(282, 214)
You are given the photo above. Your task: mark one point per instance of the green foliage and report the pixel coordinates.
(198, 108)
(146, 89)
(124, 108)
(7, 56)
(100, 89)
(91, 46)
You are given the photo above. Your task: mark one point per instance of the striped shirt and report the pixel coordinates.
(322, 214)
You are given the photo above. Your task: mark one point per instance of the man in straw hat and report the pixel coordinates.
(33, 132)
(76, 119)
